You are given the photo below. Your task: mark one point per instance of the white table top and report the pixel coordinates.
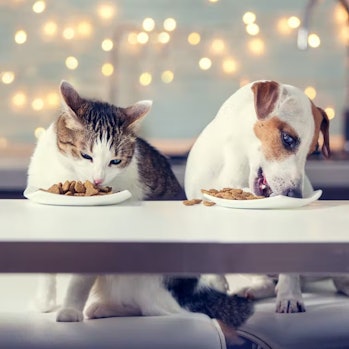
(166, 236)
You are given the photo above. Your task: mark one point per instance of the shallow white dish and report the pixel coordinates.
(43, 197)
(273, 202)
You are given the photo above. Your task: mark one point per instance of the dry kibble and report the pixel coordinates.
(192, 202)
(77, 188)
(54, 189)
(231, 194)
(66, 186)
(208, 203)
(225, 193)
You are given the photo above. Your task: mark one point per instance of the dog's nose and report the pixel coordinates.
(293, 193)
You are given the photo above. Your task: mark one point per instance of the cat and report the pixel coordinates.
(97, 141)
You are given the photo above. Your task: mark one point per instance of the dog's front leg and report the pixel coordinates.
(289, 294)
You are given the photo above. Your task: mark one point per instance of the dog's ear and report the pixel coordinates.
(322, 125)
(266, 94)
(325, 130)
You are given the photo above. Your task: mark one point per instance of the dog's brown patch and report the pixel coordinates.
(269, 133)
(266, 94)
(322, 124)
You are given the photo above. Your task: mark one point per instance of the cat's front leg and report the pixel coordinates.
(46, 293)
(99, 310)
(76, 297)
(255, 286)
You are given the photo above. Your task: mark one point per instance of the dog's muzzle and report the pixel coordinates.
(262, 187)
(293, 193)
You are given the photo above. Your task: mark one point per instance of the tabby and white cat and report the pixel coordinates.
(97, 141)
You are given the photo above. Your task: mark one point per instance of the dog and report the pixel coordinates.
(260, 139)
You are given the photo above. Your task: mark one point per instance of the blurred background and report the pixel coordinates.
(188, 56)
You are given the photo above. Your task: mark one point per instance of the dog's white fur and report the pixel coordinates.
(247, 144)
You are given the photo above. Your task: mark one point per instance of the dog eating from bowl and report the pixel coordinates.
(260, 139)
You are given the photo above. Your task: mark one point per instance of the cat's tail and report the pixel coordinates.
(230, 309)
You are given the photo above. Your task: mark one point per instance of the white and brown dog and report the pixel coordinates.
(260, 139)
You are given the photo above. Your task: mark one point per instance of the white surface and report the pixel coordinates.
(274, 202)
(171, 221)
(169, 237)
(46, 198)
(22, 328)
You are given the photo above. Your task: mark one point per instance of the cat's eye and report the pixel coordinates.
(86, 156)
(288, 141)
(115, 162)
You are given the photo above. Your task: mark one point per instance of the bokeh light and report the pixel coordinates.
(20, 37)
(37, 104)
(8, 77)
(107, 69)
(256, 46)
(106, 11)
(39, 6)
(148, 24)
(107, 45)
(170, 24)
(194, 38)
(310, 91)
(19, 99)
(314, 40)
(205, 63)
(167, 76)
(330, 112)
(71, 63)
(164, 37)
(229, 66)
(50, 28)
(145, 79)
(249, 17)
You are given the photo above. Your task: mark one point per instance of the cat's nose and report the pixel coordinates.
(98, 181)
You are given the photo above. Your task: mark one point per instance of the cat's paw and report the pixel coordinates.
(43, 305)
(69, 315)
(256, 291)
(290, 306)
(218, 282)
(98, 310)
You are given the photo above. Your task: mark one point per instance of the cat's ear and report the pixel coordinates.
(71, 104)
(136, 112)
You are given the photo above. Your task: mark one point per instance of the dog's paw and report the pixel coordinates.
(69, 315)
(290, 306)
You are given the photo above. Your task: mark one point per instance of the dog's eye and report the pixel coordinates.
(86, 156)
(289, 142)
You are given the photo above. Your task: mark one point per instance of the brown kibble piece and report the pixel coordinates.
(77, 188)
(54, 189)
(192, 202)
(208, 203)
(66, 186)
(72, 186)
(231, 194)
